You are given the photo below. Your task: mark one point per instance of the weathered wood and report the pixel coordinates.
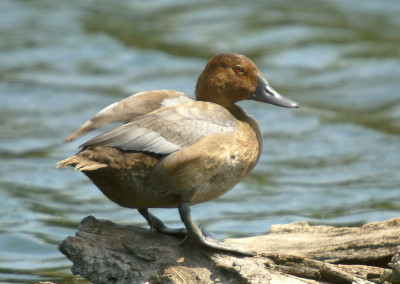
(369, 244)
(105, 252)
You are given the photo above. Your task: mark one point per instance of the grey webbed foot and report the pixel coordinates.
(160, 227)
(194, 233)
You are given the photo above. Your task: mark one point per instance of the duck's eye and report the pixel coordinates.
(238, 69)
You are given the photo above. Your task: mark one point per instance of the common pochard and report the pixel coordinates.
(173, 151)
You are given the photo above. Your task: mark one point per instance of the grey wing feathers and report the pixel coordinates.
(130, 108)
(168, 129)
(132, 137)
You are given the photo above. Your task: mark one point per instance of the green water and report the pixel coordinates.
(334, 161)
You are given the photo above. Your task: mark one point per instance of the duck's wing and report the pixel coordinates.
(168, 129)
(130, 108)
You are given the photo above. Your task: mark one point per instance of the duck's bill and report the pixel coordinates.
(264, 93)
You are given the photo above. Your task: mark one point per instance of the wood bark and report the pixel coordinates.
(105, 252)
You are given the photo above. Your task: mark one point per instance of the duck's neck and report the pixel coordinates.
(241, 115)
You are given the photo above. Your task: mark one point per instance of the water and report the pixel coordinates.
(334, 161)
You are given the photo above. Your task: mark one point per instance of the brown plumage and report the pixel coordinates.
(175, 151)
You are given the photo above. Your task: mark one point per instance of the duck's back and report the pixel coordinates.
(130, 108)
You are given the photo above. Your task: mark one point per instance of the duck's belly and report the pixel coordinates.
(122, 178)
(133, 188)
(127, 188)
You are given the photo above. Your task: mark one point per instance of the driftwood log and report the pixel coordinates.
(105, 252)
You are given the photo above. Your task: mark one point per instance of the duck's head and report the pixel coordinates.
(229, 78)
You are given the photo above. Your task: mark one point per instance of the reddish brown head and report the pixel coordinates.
(229, 78)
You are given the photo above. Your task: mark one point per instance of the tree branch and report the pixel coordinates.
(105, 252)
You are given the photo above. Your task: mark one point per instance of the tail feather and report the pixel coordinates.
(80, 163)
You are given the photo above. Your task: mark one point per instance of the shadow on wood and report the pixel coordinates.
(104, 252)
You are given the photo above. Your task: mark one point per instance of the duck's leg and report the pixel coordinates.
(196, 235)
(160, 227)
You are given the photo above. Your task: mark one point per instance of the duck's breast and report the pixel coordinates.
(208, 168)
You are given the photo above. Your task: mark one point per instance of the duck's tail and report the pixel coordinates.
(81, 163)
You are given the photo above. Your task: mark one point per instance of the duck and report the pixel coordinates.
(173, 151)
